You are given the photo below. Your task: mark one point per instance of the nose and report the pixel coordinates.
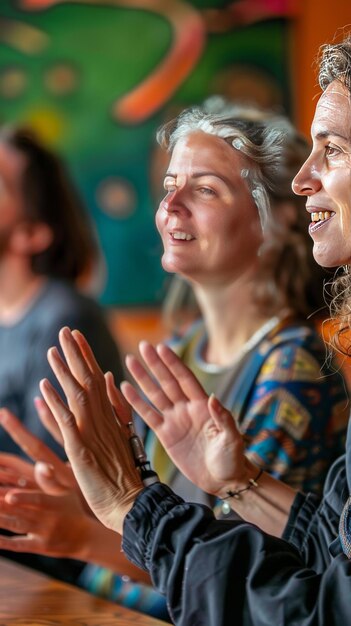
(307, 180)
(173, 201)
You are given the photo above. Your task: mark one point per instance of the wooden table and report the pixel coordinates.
(28, 598)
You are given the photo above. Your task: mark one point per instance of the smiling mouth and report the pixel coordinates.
(180, 236)
(321, 216)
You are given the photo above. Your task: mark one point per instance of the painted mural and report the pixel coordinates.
(96, 78)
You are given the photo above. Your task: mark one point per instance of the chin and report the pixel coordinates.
(170, 266)
(330, 258)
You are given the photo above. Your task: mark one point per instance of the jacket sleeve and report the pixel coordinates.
(313, 524)
(220, 573)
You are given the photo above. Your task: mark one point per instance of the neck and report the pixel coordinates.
(19, 287)
(231, 318)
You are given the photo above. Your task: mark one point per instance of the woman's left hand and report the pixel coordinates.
(95, 439)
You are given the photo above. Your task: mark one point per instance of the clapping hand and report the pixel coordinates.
(41, 503)
(197, 432)
(95, 439)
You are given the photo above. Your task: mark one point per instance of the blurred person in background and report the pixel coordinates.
(47, 246)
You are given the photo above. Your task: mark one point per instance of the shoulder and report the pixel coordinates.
(63, 305)
(295, 353)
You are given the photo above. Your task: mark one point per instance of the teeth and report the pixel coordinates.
(320, 216)
(183, 236)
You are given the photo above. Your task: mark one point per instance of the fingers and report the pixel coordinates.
(152, 390)
(17, 470)
(86, 468)
(77, 397)
(222, 418)
(117, 400)
(87, 353)
(49, 482)
(167, 381)
(68, 382)
(12, 522)
(32, 499)
(76, 361)
(48, 420)
(35, 449)
(81, 380)
(20, 543)
(82, 363)
(64, 417)
(187, 382)
(29, 443)
(150, 416)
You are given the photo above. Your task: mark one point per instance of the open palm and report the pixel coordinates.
(198, 434)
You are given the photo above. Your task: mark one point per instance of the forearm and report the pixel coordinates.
(102, 546)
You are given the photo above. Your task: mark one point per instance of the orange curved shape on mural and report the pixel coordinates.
(156, 89)
(38, 4)
(245, 12)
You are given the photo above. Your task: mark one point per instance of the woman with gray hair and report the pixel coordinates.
(232, 227)
(218, 572)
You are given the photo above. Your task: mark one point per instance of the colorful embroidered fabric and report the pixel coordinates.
(292, 412)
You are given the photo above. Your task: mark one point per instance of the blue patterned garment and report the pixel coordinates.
(345, 529)
(292, 410)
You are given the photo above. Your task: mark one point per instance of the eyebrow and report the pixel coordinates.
(201, 174)
(324, 134)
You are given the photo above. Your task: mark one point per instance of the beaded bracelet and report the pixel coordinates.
(252, 483)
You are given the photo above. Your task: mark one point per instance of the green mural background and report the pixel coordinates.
(96, 79)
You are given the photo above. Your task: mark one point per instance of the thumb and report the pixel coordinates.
(222, 418)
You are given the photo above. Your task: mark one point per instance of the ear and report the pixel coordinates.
(31, 238)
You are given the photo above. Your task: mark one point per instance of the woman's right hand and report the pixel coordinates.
(43, 505)
(197, 432)
(52, 519)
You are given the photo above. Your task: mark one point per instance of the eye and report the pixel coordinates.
(331, 150)
(206, 191)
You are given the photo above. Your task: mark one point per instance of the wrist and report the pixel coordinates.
(237, 485)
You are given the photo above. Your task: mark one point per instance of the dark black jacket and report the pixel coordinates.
(229, 573)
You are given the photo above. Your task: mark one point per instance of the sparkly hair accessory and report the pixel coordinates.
(345, 529)
(237, 143)
(244, 173)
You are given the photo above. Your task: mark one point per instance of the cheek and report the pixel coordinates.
(160, 218)
(339, 188)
